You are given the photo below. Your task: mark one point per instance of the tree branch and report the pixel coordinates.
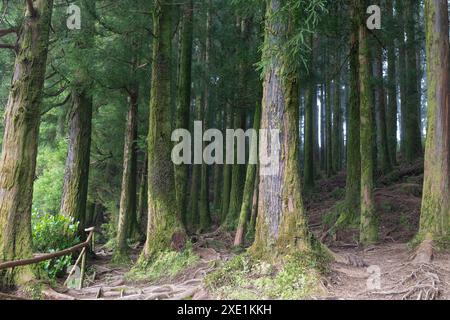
(5, 32)
(56, 105)
(8, 46)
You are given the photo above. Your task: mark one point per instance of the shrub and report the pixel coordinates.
(53, 233)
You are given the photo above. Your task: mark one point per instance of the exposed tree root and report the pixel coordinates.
(424, 253)
(423, 283)
(348, 259)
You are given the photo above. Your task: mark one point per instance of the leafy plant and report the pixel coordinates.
(53, 233)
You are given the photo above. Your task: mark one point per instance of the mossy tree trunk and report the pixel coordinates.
(184, 100)
(238, 171)
(400, 43)
(353, 180)
(328, 130)
(435, 213)
(237, 179)
(249, 187)
(20, 140)
(383, 157)
(193, 217)
(254, 210)
(323, 155)
(337, 124)
(204, 209)
(413, 137)
(218, 168)
(142, 206)
(368, 226)
(128, 197)
(76, 176)
(75, 188)
(227, 168)
(309, 147)
(391, 113)
(164, 228)
(281, 223)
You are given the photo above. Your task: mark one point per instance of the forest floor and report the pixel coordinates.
(388, 271)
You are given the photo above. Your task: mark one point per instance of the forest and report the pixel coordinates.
(224, 150)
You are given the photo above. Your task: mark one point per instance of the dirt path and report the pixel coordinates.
(388, 272)
(388, 265)
(108, 282)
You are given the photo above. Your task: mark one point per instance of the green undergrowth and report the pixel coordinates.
(296, 276)
(33, 290)
(165, 265)
(340, 217)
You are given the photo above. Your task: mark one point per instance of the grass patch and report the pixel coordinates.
(167, 264)
(297, 277)
(33, 290)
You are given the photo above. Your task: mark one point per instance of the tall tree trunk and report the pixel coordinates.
(227, 168)
(254, 210)
(164, 228)
(128, 197)
(20, 139)
(323, 155)
(142, 207)
(351, 210)
(383, 157)
(204, 210)
(76, 176)
(391, 113)
(400, 40)
(184, 101)
(328, 130)
(435, 213)
(74, 196)
(309, 174)
(368, 227)
(309, 146)
(337, 123)
(249, 184)
(237, 179)
(413, 137)
(196, 177)
(218, 168)
(281, 224)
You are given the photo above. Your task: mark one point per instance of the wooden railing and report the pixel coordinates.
(48, 256)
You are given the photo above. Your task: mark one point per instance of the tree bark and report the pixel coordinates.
(164, 228)
(142, 207)
(383, 157)
(337, 124)
(368, 227)
(227, 168)
(20, 139)
(237, 179)
(184, 101)
(435, 213)
(204, 209)
(127, 211)
(309, 146)
(413, 136)
(281, 223)
(353, 180)
(76, 176)
(249, 187)
(74, 196)
(391, 113)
